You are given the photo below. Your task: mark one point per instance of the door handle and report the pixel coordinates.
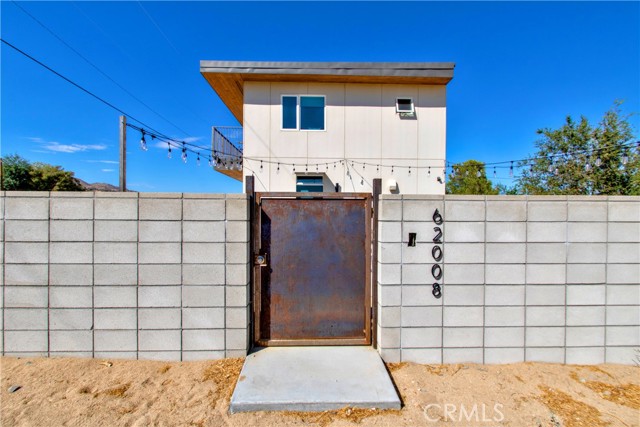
(260, 260)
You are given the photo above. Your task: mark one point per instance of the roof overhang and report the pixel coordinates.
(227, 77)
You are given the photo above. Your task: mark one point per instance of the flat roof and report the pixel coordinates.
(227, 77)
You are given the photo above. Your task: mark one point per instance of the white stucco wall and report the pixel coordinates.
(361, 126)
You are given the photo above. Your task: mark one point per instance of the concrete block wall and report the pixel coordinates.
(550, 279)
(124, 275)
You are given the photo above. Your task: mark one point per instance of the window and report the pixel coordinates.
(304, 112)
(309, 184)
(404, 105)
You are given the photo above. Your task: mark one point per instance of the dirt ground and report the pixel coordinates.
(91, 392)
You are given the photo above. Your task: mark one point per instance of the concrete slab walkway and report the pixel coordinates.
(313, 379)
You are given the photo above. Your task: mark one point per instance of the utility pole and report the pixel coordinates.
(123, 153)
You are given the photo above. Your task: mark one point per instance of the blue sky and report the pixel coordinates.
(520, 66)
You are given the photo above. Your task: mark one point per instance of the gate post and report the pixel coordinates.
(377, 189)
(250, 192)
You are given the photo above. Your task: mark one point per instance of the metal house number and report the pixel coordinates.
(437, 254)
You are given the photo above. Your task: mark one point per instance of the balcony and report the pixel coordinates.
(226, 144)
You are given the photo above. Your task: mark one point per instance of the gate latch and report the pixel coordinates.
(260, 260)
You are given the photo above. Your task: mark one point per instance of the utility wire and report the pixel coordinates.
(157, 27)
(61, 40)
(87, 91)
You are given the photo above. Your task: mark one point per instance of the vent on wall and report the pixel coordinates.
(404, 106)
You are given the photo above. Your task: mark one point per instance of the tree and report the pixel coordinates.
(46, 177)
(19, 174)
(578, 158)
(16, 173)
(470, 178)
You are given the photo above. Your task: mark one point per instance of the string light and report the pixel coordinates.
(234, 161)
(184, 153)
(278, 170)
(143, 143)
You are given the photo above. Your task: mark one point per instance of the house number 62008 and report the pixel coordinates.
(437, 254)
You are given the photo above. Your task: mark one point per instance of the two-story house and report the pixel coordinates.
(333, 126)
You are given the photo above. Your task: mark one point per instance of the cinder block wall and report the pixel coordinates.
(550, 279)
(124, 275)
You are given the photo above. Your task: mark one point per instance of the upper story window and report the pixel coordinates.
(303, 112)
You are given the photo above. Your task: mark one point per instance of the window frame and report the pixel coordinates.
(298, 111)
(413, 107)
(303, 177)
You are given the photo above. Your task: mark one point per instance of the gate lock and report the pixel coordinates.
(260, 260)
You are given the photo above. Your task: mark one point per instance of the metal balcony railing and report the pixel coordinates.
(226, 144)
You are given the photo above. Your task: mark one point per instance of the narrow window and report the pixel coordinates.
(404, 105)
(309, 184)
(312, 112)
(289, 112)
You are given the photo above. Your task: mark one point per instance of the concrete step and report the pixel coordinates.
(313, 379)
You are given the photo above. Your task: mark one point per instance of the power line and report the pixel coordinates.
(87, 91)
(157, 27)
(94, 66)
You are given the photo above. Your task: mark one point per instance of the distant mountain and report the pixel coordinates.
(97, 186)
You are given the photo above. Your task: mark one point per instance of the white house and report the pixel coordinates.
(333, 126)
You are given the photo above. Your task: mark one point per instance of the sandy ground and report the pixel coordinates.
(91, 392)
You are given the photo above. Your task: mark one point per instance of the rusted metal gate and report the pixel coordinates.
(312, 269)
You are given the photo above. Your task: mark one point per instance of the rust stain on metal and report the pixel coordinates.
(315, 286)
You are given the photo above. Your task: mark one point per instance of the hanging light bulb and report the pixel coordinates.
(362, 181)
(550, 168)
(556, 171)
(210, 162)
(392, 168)
(587, 166)
(294, 168)
(198, 160)
(169, 151)
(495, 174)
(511, 170)
(625, 157)
(429, 171)
(143, 143)
(261, 166)
(409, 170)
(184, 153)
(531, 167)
(377, 168)
(278, 170)
(598, 160)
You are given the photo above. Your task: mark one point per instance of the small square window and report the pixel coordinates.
(404, 105)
